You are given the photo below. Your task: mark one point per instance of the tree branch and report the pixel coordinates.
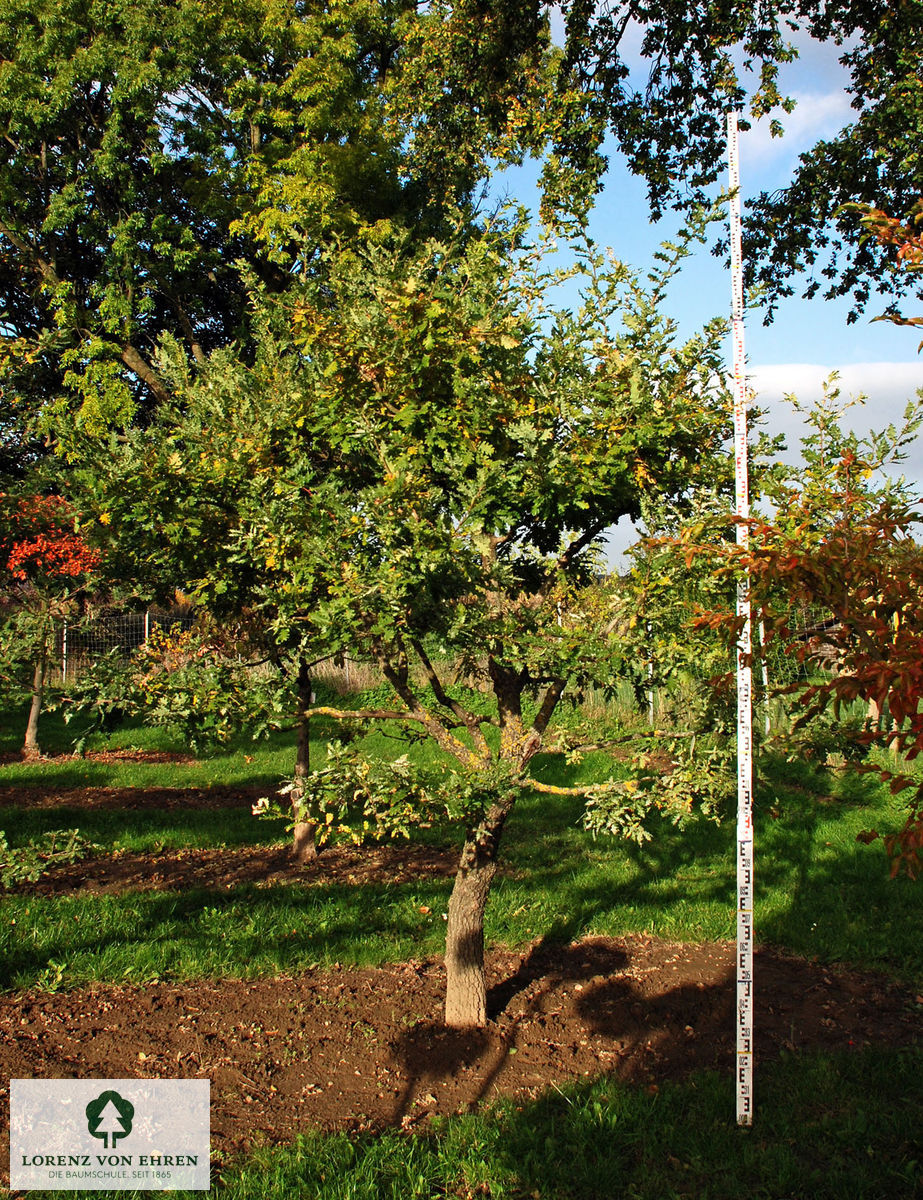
(364, 714)
(397, 677)
(548, 705)
(39, 264)
(580, 544)
(142, 369)
(194, 344)
(468, 720)
(590, 789)
(616, 743)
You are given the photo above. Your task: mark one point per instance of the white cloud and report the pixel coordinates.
(816, 116)
(886, 387)
(886, 384)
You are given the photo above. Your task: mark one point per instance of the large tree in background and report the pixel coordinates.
(660, 76)
(807, 226)
(147, 148)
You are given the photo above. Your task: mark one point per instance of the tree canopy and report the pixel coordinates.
(417, 468)
(700, 60)
(808, 226)
(147, 149)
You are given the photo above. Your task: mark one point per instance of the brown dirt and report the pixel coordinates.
(366, 1048)
(361, 1049)
(176, 870)
(265, 866)
(52, 796)
(103, 756)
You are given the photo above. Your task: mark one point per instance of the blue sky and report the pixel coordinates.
(807, 339)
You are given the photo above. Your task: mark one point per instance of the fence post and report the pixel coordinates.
(650, 678)
(64, 653)
(147, 625)
(765, 673)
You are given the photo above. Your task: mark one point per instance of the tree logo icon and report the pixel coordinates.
(109, 1116)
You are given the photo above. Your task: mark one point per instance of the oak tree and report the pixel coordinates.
(149, 150)
(417, 469)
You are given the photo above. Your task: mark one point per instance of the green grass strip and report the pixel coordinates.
(826, 1127)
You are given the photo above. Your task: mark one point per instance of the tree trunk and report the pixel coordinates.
(304, 846)
(30, 747)
(466, 985)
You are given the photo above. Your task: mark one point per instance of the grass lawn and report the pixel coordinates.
(826, 1125)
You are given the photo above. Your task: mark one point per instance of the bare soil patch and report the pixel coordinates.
(54, 796)
(104, 756)
(223, 868)
(363, 1049)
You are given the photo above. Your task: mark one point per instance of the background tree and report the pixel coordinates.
(146, 149)
(45, 568)
(417, 469)
(905, 237)
(841, 540)
(806, 226)
(660, 79)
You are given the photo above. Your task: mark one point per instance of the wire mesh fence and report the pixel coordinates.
(78, 646)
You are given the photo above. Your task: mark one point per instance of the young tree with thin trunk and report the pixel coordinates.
(418, 469)
(304, 845)
(45, 567)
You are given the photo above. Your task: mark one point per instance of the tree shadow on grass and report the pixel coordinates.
(823, 1130)
(227, 819)
(832, 901)
(817, 891)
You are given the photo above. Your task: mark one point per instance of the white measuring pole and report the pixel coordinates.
(744, 679)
